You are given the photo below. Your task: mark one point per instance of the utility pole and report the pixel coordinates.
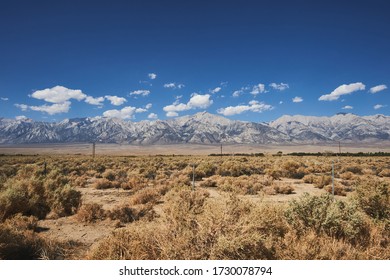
(333, 178)
(221, 151)
(339, 148)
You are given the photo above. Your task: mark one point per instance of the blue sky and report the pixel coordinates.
(246, 60)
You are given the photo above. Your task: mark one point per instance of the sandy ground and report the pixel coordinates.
(69, 229)
(183, 149)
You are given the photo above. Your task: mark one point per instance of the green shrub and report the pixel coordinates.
(323, 214)
(374, 198)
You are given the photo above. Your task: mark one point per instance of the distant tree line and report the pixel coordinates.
(359, 154)
(238, 155)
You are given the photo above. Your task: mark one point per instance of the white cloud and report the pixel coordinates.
(116, 100)
(174, 85)
(260, 88)
(237, 93)
(4, 98)
(200, 101)
(172, 114)
(94, 101)
(378, 88)
(379, 106)
(53, 109)
(152, 116)
(148, 106)
(281, 86)
(58, 94)
(140, 110)
(342, 90)
(280, 102)
(216, 90)
(196, 101)
(152, 76)
(297, 99)
(142, 92)
(22, 107)
(125, 113)
(20, 118)
(253, 106)
(347, 107)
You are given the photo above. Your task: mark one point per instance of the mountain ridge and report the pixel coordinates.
(200, 128)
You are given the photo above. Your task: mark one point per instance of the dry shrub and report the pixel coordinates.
(208, 183)
(23, 196)
(384, 173)
(355, 169)
(136, 183)
(146, 195)
(322, 214)
(373, 197)
(235, 230)
(347, 175)
(283, 189)
(127, 214)
(133, 243)
(65, 201)
(18, 241)
(293, 169)
(322, 181)
(109, 174)
(103, 183)
(276, 174)
(309, 179)
(338, 189)
(243, 184)
(90, 213)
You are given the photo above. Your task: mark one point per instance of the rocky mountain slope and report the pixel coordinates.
(201, 128)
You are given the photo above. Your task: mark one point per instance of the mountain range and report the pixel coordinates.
(200, 128)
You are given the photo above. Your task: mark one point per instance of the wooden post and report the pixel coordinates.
(333, 178)
(93, 149)
(221, 151)
(193, 176)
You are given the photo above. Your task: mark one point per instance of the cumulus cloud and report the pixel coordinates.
(379, 106)
(216, 90)
(260, 88)
(197, 101)
(53, 109)
(116, 100)
(378, 88)
(20, 118)
(347, 107)
(237, 93)
(342, 90)
(58, 94)
(253, 106)
(94, 101)
(125, 113)
(142, 92)
(174, 85)
(4, 98)
(281, 86)
(152, 116)
(22, 107)
(152, 76)
(172, 114)
(148, 106)
(297, 99)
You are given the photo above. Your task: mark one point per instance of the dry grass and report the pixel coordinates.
(162, 218)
